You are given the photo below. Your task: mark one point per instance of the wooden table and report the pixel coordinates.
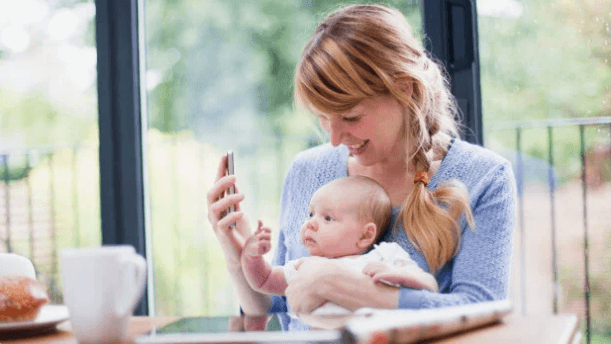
(556, 329)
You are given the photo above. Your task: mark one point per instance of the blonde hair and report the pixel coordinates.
(375, 207)
(364, 51)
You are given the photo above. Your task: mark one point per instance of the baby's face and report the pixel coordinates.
(332, 228)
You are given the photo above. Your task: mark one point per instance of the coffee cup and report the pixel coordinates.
(102, 286)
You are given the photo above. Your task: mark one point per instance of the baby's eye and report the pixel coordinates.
(328, 218)
(311, 214)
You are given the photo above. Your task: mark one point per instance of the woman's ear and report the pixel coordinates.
(368, 237)
(406, 86)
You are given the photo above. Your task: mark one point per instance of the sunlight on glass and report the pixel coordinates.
(15, 38)
(153, 78)
(63, 24)
(23, 12)
(500, 8)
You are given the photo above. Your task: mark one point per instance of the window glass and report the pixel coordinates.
(545, 75)
(49, 174)
(219, 77)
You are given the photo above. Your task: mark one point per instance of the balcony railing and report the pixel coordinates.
(587, 176)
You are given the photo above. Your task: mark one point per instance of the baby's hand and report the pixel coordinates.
(259, 243)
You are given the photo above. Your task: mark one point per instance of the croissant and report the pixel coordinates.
(21, 298)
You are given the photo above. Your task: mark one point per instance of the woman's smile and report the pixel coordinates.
(358, 149)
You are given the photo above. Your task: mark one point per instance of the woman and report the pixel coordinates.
(391, 117)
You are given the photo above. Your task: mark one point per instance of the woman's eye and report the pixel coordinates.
(352, 119)
(328, 218)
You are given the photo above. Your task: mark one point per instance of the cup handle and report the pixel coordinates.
(133, 281)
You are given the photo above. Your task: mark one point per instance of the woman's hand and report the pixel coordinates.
(230, 229)
(410, 276)
(305, 288)
(319, 280)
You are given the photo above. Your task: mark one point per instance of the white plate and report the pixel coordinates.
(49, 316)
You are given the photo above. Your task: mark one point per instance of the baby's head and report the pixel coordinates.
(346, 217)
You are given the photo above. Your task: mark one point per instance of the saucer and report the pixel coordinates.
(48, 318)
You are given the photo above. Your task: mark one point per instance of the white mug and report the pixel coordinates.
(102, 286)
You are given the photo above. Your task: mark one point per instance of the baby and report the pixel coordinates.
(346, 217)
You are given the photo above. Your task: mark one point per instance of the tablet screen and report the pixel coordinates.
(220, 324)
(233, 329)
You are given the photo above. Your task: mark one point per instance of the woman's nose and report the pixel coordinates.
(336, 132)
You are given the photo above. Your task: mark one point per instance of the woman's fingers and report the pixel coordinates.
(302, 290)
(222, 169)
(373, 267)
(230, 219)
(238, 207)
(219, 188)
(223, 205)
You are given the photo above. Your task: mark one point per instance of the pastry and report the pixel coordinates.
(21, 298)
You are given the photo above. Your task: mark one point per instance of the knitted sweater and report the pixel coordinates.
(481, 269)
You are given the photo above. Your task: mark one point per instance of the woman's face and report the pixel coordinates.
(373, 131)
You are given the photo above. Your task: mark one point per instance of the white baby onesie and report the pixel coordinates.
(386, 252)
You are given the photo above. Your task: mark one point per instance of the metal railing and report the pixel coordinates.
(28, 208)
(518, 127)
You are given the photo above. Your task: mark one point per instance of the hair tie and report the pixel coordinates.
(421, 176)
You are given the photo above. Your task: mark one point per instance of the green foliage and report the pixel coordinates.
(599, 338)
(550, 63)
(9, 174)
(217, 59)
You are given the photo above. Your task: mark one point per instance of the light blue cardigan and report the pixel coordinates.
(481, 269)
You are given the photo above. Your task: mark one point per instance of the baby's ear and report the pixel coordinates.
(368, 237)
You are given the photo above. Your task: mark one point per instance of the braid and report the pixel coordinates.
(430, 219)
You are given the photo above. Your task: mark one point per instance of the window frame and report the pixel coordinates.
(122, 188)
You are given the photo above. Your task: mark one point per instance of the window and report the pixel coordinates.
(219, 77)
(49, 174)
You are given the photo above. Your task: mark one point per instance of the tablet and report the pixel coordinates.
(234, 329)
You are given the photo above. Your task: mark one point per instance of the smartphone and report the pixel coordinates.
(230, 170)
